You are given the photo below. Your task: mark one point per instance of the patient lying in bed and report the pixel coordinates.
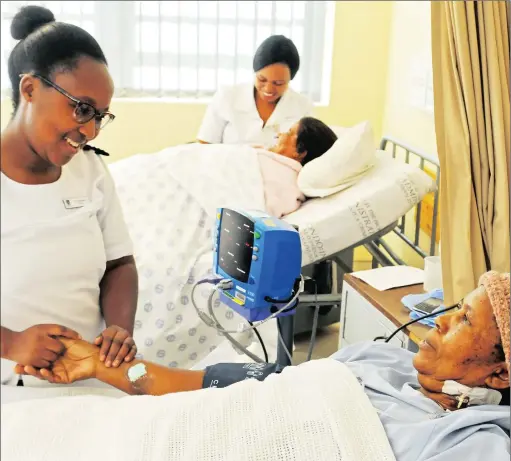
(307, 140)
(448, 402)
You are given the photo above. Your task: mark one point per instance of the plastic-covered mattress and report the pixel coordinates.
(331, 224)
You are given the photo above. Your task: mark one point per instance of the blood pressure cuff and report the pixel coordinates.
(225, 374)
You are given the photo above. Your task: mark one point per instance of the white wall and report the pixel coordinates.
(406, 115)
(409, 61)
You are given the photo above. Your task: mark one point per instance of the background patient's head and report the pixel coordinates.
(471, 344)
(307, 140)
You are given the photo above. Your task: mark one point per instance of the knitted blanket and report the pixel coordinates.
(316, 411)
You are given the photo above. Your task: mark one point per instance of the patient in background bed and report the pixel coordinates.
(308, 139)
(305, 141)
(448, 402)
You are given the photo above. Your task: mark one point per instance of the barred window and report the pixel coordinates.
(187, 49)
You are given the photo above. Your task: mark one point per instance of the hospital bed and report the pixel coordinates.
(170, 199)
(328, 269)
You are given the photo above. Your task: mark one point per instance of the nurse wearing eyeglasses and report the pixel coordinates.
(256, 113)
(67, 258)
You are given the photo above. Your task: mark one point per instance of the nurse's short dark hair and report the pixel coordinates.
(277, 49)
(46, 46)
(313, 137)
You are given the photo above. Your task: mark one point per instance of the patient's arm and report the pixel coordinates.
(81, 361)
(157, 380)
(145, 378)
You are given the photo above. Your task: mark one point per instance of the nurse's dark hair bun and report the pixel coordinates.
(29, 19)
(46, 46)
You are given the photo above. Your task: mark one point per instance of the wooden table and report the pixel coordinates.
(389, 304)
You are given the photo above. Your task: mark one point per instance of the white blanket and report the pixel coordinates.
(170, 200)
(315, 411)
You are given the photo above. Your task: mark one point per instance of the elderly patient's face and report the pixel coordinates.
(463, 347)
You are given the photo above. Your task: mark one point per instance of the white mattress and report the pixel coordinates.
(331, 224)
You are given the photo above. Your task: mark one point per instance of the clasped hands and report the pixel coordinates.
(57, 354)
(79, 360)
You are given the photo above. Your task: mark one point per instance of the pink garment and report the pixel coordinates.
(497, 287)
(280, 181)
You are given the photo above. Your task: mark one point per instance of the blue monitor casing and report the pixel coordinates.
(261, 255)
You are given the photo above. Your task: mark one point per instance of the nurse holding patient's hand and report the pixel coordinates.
(256, 113)
(67, 264)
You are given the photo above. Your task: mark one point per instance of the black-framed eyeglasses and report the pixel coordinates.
(83, 112)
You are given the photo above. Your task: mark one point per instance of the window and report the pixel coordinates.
(421, 83)
(187, 49)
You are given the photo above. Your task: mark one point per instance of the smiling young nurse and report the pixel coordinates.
(255, 113)
(67, 258)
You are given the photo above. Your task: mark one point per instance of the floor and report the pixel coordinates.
(326, 343)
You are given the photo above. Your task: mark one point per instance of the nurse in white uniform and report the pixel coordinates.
(67, 264)
(256, 113)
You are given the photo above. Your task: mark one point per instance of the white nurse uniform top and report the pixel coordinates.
(232, 117)
(56, 241)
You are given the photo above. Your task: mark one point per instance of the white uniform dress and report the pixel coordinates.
(232, 117)
(56, 241)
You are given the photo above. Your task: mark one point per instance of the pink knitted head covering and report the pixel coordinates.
(497, 288)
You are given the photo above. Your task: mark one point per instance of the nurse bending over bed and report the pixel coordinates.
(256, 113)
(448, 402)
(67, 261)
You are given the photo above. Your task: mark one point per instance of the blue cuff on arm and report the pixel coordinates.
(225, 374)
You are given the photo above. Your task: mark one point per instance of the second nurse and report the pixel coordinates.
(256, 113)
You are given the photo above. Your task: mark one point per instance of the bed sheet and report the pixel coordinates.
(169, 200)
(331, 224)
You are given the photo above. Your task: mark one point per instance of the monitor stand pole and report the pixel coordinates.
(286, 327)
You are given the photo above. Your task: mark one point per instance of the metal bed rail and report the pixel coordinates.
(380, 250)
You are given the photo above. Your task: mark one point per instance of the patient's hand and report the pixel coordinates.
(79, 361)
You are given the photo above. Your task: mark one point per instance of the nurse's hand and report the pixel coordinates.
(79, 361)
(37, 346)
(117, 345)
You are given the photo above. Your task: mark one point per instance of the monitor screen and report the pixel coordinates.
(236, 245)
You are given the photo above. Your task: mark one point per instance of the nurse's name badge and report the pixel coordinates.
(72, 203)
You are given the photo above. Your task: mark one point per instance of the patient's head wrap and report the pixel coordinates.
(497, 288)
(277, 49)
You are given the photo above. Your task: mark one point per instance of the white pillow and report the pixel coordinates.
(338, 130)
(344, 164)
